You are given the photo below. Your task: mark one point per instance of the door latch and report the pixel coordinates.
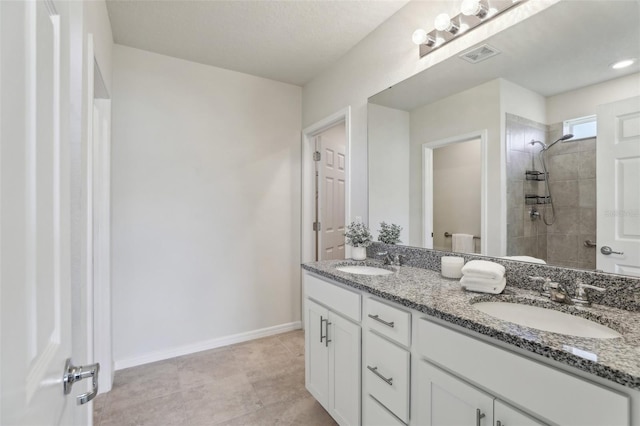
(74, 374)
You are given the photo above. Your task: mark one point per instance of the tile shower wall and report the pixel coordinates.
(572, 177)
(525, 237)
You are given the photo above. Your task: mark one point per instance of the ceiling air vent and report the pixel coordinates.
(479, 54)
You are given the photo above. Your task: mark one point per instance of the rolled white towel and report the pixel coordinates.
(483, 269)
(525, 259)
(483, 285)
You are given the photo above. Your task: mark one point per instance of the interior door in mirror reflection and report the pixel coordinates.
(618, 194)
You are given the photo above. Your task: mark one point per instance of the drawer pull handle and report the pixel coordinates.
(479, 416)
(374, 370)
(322, 320)
(499, 423)
(380, 320)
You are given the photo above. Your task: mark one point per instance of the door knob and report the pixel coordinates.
(606, 250)
(74, 374)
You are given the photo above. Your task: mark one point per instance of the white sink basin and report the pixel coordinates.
(363, 270)
(546, 320)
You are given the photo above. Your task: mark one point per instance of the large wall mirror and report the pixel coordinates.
(479, 145)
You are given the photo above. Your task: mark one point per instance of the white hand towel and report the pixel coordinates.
(462, 243)
(483, 269)
(525, 259)
(483, 285)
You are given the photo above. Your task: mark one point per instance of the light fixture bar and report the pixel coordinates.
(473, 13)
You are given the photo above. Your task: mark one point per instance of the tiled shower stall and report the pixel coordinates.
(572, 179)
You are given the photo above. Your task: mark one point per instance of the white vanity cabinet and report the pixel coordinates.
(448, 400)
(374, 362)
(537, 388)
(333, 348)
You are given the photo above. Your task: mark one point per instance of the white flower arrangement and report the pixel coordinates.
(358, 235)
(389, 233)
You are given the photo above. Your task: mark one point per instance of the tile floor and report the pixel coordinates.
(260, 382)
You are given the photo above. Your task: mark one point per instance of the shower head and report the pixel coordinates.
(545, 147)
(563, 138)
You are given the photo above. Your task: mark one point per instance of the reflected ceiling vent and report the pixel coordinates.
(479, 54)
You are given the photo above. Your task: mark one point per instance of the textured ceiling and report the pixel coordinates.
(290, 41)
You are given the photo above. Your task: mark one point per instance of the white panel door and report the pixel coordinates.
(331, 145)
(34, 218)
(344, 368)
(618, 188)
(317, 352)
(445, 400)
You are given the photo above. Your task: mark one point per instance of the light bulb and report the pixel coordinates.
(419, 36)
(444, 23)
(473, 8)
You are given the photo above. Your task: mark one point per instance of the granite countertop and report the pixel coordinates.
(424, 290)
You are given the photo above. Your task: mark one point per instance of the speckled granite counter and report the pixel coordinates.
(426, 291)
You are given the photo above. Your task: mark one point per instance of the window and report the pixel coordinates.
(581, 128)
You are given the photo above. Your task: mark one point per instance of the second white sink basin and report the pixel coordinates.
(363, 270)
(546, 319)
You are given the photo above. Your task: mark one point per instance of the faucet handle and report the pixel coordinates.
(546, 284)
(581, 285)
(581, 295)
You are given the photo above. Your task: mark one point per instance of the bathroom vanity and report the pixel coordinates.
(409, 348)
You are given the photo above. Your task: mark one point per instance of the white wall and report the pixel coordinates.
(473, 110)
(205, 205)
(388, 169)
(383, 58)
(582, 102)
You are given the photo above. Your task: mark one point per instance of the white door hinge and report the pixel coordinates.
(316, 156)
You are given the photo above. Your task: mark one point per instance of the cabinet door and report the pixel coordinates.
(317, 352)
(344, 370)
(506, 415)
(445, 400)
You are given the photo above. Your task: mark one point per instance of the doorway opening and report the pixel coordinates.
(454, 191)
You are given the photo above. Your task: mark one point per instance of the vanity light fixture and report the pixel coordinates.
(623, 64)
(473, 13)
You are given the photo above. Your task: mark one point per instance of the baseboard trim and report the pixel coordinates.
(206, 345)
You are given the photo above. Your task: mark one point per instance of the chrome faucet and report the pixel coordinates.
(388, 259)
(558, 293)
(554, 291)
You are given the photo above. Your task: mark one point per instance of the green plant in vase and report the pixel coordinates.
(359, 237)
(389, 233)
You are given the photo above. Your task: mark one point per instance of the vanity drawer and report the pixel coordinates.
(387, 368)
(376, 415)
(389, 321)
(341, 300)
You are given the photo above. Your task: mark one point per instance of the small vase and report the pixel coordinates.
(358, 253)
